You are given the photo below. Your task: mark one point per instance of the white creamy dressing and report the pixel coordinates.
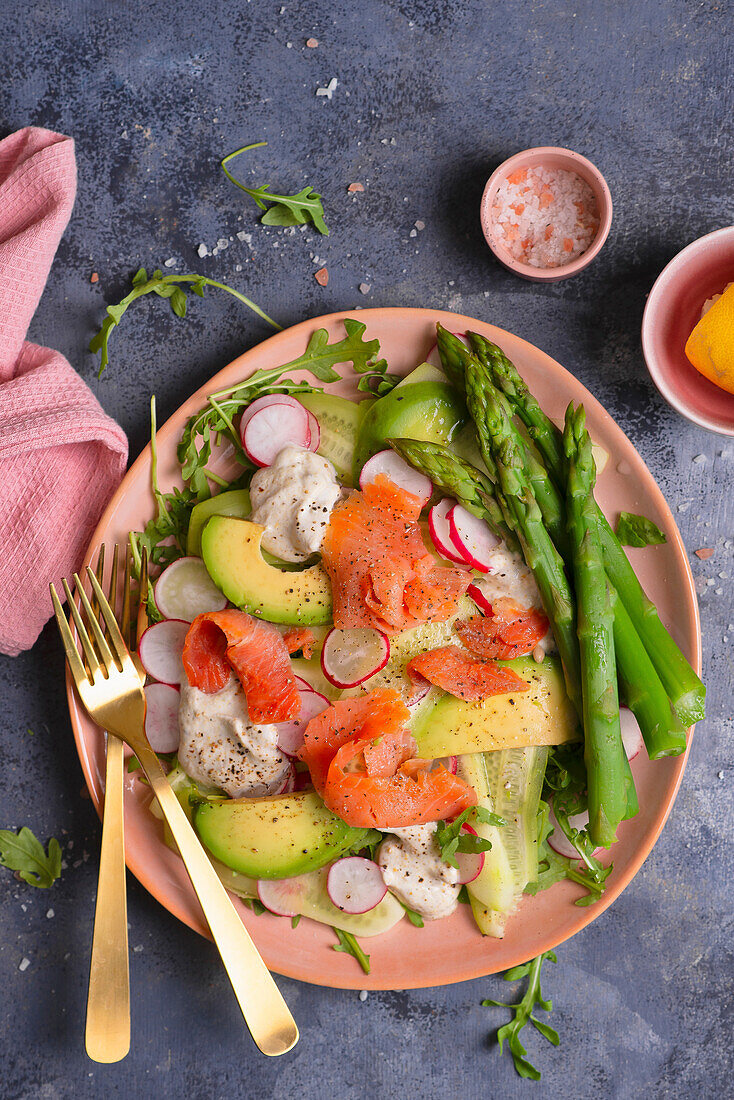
(509, 578)
(292, 500)
(414, 871)
(220, 747)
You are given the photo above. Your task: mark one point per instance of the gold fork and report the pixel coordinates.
(107, 1035)
(114, 697)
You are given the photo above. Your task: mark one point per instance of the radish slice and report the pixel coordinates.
(399, 472)
(631, 733)
(470, 863)
(315, 430)
(479, 599)
(289, 782)
(302, 781)
(450, 763)
(160, 651)
(558, 840)
(264, 403)
(438, 525)
(276, 895)
(185, 590)
(434, 357)
(472, 538)
(161, 717)
(349, 657)
(290, 734)
(421, 687)
(274, 427)
(355, 884)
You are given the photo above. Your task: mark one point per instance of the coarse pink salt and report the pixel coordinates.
(546, 217)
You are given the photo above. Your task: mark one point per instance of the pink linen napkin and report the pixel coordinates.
(61, 456)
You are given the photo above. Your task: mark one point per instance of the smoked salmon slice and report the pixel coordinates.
(380, 571)
(510, 631)
(300, 637)
(454, 670)
(220, 641)
(362, 763)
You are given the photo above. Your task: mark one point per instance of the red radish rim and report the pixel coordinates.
(563, 845)
(262, 887)
(451, 764)
(476, 594)
(401, 474)
(314, 429)
(333, 680)
(166, 574)
(437, 516)
(264, 403)
(172, 743)
(473, 861)
(376, 883)
(288, 731)
(421, 688)
(300, 435)
(455, 517)
(635, 731)
(142, 646)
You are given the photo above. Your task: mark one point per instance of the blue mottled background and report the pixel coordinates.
(431, 95)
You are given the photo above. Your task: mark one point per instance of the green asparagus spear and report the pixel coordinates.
(459, 479)
(603, 749)
(684, 688)
(498, 445)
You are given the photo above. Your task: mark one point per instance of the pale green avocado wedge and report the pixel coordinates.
(542, 715)
(236, 502)
(274, 837)
(233, 557)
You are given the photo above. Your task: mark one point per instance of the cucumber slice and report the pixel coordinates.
(508, 782)
(339, 421)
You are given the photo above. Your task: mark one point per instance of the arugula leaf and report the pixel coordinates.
(298, 209)
(413, 917)
(451, 839)
(523, 1014)
(377, 381)
(24, 853)
(348, 943)
(216, 420)
(255, 904)
(295, 919)
(634, 530)
(370, 842)
(165, 286)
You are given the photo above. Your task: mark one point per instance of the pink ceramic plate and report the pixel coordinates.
(447, 950)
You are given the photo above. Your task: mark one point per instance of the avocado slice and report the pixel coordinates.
(232, 554)
(274, 837)
(236, 502)
(416, 410)
(542, 715)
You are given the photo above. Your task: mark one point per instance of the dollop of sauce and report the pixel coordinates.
(220, 747)
(414, 871)
(509, 578)
(292, 500)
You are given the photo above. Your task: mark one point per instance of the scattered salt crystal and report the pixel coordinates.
(289, 45)
(545, 217)
(330, 88)
(699, 459)
(413, 233)
(238, 267)
(684, 506)
(24, 908)
(710, 582)
(364, 288)
(363, 994)
(222, 243)
(420, 225)
(202, 251)
(451, 282)
(171, 262)
(242, 236)
(138, 948)
(719, 591)
(312, 43)
(50, 914)
(24, 964)
(355, 187)
(720, 775)
(322, 276)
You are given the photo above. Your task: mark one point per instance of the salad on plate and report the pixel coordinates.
(397, 657)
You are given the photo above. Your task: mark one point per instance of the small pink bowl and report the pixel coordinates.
(546, 156)
(673, 310)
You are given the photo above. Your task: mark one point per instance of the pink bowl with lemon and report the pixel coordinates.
(673, 310)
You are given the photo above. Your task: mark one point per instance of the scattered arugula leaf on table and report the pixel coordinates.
(451, 839)
(24, 853)
(172, 287)
(348, 943)
(299, 209)
(523, 1014)
(634, 530)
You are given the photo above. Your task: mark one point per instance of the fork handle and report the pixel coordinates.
(266, 1014)
(107, 1037)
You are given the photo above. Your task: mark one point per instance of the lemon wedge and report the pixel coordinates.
(710, 347)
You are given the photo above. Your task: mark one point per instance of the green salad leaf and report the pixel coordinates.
(414, 918)
(24, 853)
(299, 209)
(451, 839)
(348, 943)
(523, 1014)
(634, 530)
(172, 287)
